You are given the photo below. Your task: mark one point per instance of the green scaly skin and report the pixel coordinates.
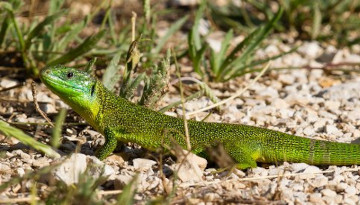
(120, 120)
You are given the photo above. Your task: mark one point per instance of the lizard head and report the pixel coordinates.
(75, 87)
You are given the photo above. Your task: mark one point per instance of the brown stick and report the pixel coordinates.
(33, 88)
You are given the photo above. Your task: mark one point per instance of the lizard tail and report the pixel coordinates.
(285, 147)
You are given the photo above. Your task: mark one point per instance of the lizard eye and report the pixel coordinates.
(70, 74)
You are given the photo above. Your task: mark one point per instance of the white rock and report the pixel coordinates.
(341, 186)
(286, 79)
(310, 50)
(188, 172)
(300, 197)
(316, 198)
(312, 170)
(328, 193)
(268, 92)
(332, 105)
(6, 83)
(193, 158)
(280, 103)
(348, 201)
(41, 162)
(354, 115)
(320, 181)
(309, 172)
(319, 124)
(70, 170)
(351, 190)
(331, 129)
(341, 91)
(309, 130)
(120, 181)
(344, 56)
(20, 171)
(143, 164)
(299, 167)
(297, 187)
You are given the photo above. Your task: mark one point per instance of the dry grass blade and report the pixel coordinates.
(33, 86)
(178, 73)
(10, 131)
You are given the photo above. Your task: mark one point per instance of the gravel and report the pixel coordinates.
(305, 102)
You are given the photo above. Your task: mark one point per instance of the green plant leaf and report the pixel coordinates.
(55, 6)
(4, 28)
(217, 58)
(175, 27)
(83, 48)
(56, 135)
(250, 43)
(111, 75)
(316, 25)
(39, 28)
(71, 35)
(128, 193)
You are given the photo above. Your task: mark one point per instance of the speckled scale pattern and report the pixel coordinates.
(147, 128)
(121, 120)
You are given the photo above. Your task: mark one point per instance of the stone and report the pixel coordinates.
(71, 168)
(329, 193)
(331, 129)
(143, 164)
(316, 198)
(193, 158)
(120, 181)
(187, 171)
(351, 190)
(310, 50)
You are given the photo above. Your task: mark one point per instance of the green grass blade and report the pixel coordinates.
(128, 193)
(56, 135)
(195, 28)
(38, 28)
(175, 27)
(71, 35)
(147, 10)
(4, 28)
(83, 48)
(232, 56)
(244, 69)
(89, 68)
(316, 25)
(10, 131)
(16, 26)
(251, 43)
(55, 6)
(217, 58)
(112, 75)
(264, 31)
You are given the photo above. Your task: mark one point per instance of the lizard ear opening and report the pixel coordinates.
(93, 89)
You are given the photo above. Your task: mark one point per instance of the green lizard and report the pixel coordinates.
(120, 120)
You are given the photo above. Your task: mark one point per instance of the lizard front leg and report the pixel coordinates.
(109, 146)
